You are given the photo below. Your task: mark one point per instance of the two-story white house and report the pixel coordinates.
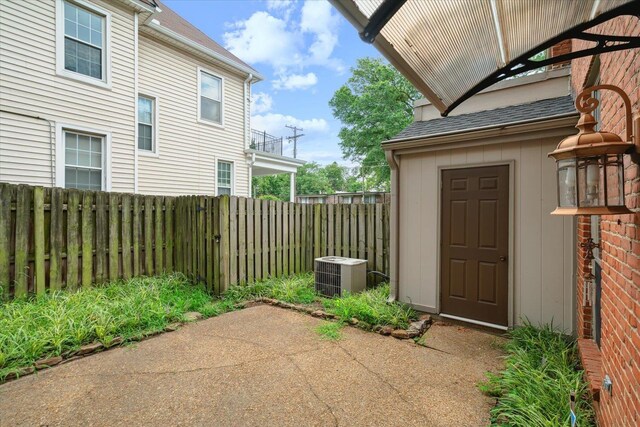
(124, 95)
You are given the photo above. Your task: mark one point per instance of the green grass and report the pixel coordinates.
(36, 327)
(293, 289)
(542, 369)
(331, 331)
(371, 306)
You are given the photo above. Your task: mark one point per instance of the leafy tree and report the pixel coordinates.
(375, 104)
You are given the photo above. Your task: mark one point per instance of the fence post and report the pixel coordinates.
(73, 203)
(114, 212)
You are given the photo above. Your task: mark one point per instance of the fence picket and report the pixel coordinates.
(258, 239)
(285, 239)
(101, 241)
(278, 238)
(5, 238)
(265, 238)
(55, 239)
(158, 233)
(224, 244)
(23, 213)
(114, 268)
(345, 230)
(338, 231)
(233, 240)
(73, 203)
(250, 247)
(361, 231)
(38, 239)
(136, 233)
(379, 237)
(242, 240)
(126, 236)
(216, 246)
(169, 203)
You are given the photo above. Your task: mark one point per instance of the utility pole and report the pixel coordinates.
(295, 139)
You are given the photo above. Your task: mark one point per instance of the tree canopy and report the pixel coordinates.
(374, 105)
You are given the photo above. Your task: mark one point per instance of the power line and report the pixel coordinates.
(295, 138)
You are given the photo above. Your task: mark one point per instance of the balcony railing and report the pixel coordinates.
(262, 141)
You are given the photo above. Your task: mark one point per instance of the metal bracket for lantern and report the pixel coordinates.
(588, 291)
(590, 166)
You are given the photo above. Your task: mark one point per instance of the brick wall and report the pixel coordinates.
(620, 242)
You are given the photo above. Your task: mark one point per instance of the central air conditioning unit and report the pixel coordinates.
(335, 275)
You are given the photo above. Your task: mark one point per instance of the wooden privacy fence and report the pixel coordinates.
(53, 238)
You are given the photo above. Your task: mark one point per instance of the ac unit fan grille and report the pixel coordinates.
(328, 279)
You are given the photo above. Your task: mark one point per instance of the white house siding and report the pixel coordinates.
(188, 149)
(29, 85)
(543, 245)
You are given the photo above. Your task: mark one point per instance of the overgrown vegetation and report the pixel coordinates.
(372, 306)
(542, 369)
(331, 331)
(53, 324)
(36, 327)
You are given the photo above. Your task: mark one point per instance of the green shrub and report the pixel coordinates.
(293, 289)
(541, 372)
(371, 306)
(59, 322)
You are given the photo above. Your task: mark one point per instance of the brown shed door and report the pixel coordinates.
(475, 243)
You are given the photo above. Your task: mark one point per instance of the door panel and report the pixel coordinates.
(475, 243)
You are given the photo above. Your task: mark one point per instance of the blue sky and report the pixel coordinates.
(304, 49)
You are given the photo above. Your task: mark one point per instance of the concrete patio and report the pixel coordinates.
(265, 366)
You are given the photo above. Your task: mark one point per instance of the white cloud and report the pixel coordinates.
(286, 44)
(263, 38)
(295, 81)
(261, 102)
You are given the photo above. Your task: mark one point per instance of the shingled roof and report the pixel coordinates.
(499, 117)
(174, 22)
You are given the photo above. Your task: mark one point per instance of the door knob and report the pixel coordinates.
(503, 258)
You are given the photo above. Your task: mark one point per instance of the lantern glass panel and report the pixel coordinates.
(590, 182)
(567, 183)
(615, 180)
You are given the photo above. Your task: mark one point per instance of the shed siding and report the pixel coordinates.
(543, 245)
(188, 149)
(30, 85)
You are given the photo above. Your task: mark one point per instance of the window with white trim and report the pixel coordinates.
(347, 199)
(83, 159)
(146, 124)
(370, 198)
(84, 41)
(210, 93)
(225, 178)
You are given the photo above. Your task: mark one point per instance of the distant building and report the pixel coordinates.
(345, 198)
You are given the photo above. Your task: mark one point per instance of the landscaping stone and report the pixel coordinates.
(90, 348)
(377, 328)
(116, 341)
(192, 316)
(417, 328)
(353, 321)
(172, 327)
(386, 330)
(401, 334)
(48, 362)
(319, 313)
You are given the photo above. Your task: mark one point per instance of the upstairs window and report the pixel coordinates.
(84, 41)
(210, 93)
(225, 178)
(146, 121)
(370, 198)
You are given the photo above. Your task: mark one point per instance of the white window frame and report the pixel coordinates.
(105, 82)
(368, 197)
(344, 199)
(156, 114)
(60, 154)
(233, 175)
(199, 79)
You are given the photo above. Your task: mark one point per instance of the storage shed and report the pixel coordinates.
(472, 238)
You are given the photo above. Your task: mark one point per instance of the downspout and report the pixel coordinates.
(246, 111)
(135, 102)
(51, 165)
(394, 225)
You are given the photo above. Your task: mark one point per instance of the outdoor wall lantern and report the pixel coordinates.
(590, 167)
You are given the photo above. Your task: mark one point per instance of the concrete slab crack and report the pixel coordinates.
(310, 387)
(382, 379)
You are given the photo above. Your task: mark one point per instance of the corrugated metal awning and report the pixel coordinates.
(452, 49)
